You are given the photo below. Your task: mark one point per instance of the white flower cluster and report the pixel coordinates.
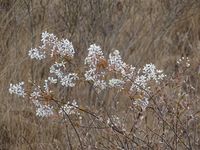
(116, 64)
(68, 80)
(34, 53)
(148, 73)
(52, 80)
(95, 55)
(127, 72)
(43, 110)
(46, 86)
(151, 72)
(49, 41)
(91, 75)
(65, 48)
(17, 89)
(184, 60)
(116, 83)
(140, 83)
(69, 108)
(36, 94)
(57, 68)
(100, 85)
(65, 80)
(112, 73)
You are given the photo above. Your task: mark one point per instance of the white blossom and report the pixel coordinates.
(65, 80)
(68, 80)
(116, 83)
(35, 53)
(100, 85)
(35, 94)
(46, 86)
(139, 83)
(115, 61)
(152, 73)
(128, 73)
(116, 64)
(52, 80)
(91, 75)
(50, 42)
(44, 37)
(44, 110)
(185, 61)
(69, 108)
(65, 48)
(56, 69)
(94, 55)
(17, 89)
(48, 38)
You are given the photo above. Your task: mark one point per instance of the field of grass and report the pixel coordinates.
(162, 32)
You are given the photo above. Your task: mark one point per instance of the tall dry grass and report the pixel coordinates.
(157, 31)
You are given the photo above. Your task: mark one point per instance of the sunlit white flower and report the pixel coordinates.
(115, 61)
(139, 83)
(184, 61)
(49, 41)
(41, 109)
(100, 85)
(150, 71)
(34, 53)
(68, 80)
(91, 75)
(35, 94)
(94, 49)
(44, 36)
(128, 73)
(116, 83)
(46, 86)
(94, 55)
(65, 80)
(44, 110)
(17, 89)
(160, 77)
(48, 38)
(52, 80)
(65, 48)
(57, 69)
(69, 108)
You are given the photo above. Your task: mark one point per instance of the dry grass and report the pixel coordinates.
(157, 31)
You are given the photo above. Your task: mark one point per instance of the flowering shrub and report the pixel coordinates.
(98, 69)
(142, 86)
